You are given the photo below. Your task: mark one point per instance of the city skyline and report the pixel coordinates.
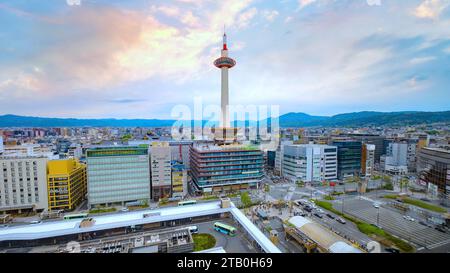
(110, 59)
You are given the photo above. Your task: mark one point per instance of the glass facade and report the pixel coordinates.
(226, 167)
(118, 175)
(433, 166)
(349, 158)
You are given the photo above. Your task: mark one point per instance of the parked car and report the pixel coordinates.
(423, 223)
(340, 220)
(308, 209)
(441, 229)
(330, 216)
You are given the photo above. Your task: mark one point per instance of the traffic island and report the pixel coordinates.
(203, 241)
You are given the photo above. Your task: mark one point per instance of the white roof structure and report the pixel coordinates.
(322, 236)
(341, 247)
(262, 240)
(117, 220)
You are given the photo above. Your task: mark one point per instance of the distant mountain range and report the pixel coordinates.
(288, 120)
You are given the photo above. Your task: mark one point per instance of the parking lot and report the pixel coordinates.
(393, 222)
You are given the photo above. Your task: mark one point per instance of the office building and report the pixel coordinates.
(373, 139)
(279, 155)
(367, 159)
(75, 151)
(67, 184)
(433, 168)
(310, 162)
(271, 159)
(23, 183)
(62, 146)
(400, 157)
(118, 175)
(349, 158)
(226, 168)
(160, 161)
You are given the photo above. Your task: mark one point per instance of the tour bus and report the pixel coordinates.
(226, 229)
(75, 216)
(186, 203)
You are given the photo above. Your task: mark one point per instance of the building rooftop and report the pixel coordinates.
(233, 147)
(116, 220)
(323, 237)
(441, 150)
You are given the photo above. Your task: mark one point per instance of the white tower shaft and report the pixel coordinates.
(225, 120)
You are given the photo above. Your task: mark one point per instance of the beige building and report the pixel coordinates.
(160, 168)
(23, 183)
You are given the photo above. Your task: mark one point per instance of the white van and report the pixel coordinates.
(193, 229)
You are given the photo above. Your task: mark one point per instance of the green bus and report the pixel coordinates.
(226, 229)
(187, 203)
(75, 216)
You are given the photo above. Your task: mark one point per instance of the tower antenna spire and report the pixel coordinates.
(224, 39)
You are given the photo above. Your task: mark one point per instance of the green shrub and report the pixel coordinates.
(203, 241)
(246, 200)
(329, 197)
(424, 205)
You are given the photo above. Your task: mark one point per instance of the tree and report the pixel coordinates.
(246, 200)
(404, 183)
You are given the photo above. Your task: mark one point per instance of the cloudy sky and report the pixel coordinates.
(140, 58)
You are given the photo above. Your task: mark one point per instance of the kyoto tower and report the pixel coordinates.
(224, 63)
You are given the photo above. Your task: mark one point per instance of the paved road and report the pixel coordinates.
(394, 223)
(237, 244)
(348, 230)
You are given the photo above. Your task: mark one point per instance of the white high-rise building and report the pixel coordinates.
(396, 159)
(310, 162)
(23, 183)
(279, 156)
(367, 159)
